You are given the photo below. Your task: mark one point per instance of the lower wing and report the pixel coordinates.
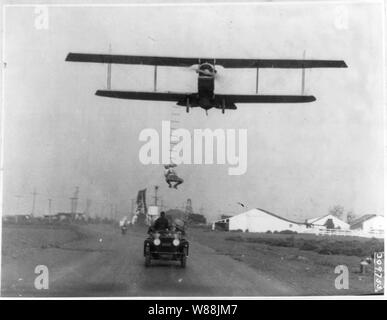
(262, 98)
(227, 100)
(139, 95)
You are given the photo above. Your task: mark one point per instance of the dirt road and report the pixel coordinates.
(105, 263)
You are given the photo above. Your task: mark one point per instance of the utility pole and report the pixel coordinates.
(74, 200)
(111, 211)
(87, 209)
(188, 209)
(102, 211)
(132, 202)
(18, 197)
(49, 206)
(34, 194)
(155, 196)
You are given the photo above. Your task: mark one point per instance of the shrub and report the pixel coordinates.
(288, 232)
(235, 238)
(308, 245)
(321, 245)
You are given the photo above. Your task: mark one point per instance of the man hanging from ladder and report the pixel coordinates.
(171, 176)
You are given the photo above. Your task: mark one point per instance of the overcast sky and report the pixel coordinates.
(302, 158)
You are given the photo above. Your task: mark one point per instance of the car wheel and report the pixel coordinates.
(183, 260)
(147, 257)
(147, 260)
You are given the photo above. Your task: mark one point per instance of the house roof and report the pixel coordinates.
(358, 222)
(279, 217)
(322, 217)
(265, 211)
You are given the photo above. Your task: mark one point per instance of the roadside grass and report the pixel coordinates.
(305, 261)
(321, 245)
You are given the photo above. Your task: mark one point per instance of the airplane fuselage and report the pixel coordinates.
(206, 86)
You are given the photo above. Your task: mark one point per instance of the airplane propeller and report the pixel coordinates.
(204, 72)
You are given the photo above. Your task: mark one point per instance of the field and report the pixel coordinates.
(97, 260)
(20, 240)
(305, 261)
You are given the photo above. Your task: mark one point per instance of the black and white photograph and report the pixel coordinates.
(192, 149)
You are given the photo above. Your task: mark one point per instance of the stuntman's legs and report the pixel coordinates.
(180, 181)
(175, 179)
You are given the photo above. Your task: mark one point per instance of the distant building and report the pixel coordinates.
(50, 218)
(369, 223)
(17, 218)
(70, 217)
(328, 221)
(258, 220)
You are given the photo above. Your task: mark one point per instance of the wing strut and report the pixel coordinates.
(303, 77)
(256, 84)
(109, 72)
(109, 76)
(155, 80)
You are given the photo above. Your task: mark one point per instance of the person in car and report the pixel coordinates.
(161, 223)
(179, 226)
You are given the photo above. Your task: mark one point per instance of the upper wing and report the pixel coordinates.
(139, 95)
(123, 59)
(280, 63)
(242, 98)
(186, 62)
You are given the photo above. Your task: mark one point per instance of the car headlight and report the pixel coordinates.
(156, 242)
(176, 242)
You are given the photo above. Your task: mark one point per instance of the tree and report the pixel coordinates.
(337, 211)
(197, 218)
(329, 224)
(350, 217)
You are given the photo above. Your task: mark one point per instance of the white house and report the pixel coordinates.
(321, 222)
(369, 223)
(259, 220)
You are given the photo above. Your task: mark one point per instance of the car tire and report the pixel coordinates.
(147, 260)
(183, 259)
(147, 257)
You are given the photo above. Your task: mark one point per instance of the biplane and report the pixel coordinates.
(205, 97)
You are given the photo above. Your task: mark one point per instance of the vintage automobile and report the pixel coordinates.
(166, 245)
